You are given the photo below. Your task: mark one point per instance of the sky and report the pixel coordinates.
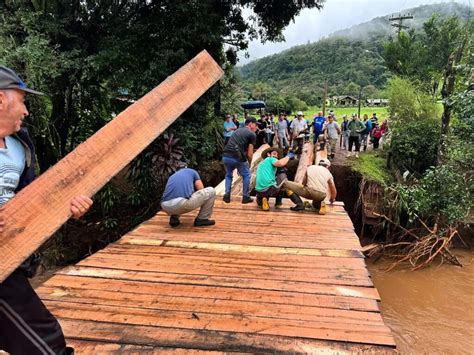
(312, 24)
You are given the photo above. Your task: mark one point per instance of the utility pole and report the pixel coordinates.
(360, 99)
(399, 24)
(325, 97)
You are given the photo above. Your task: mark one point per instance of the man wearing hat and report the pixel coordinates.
(316, 184)
(299, 127)
(185, 192)
(26, 326)
(269, 184)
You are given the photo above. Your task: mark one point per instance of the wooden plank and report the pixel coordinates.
(212, 292)
(232, 323)
(335, 277)
(42, 207)
(99, 347)
(253, 246)
(209, 306)
(223, 281)
(306, 159)
(283, 260)
(205, 339)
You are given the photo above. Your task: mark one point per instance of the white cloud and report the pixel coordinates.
(312, 25)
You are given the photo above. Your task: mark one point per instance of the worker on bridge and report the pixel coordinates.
(26, 326)
(269, 183)
(185, 192)
(318, 180)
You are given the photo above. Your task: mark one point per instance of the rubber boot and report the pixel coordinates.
(296, 200)
(323, 210)
(259, 201)
(278, 201)
(265, 205)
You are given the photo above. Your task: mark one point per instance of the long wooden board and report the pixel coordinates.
(306, 159)
(41, 208)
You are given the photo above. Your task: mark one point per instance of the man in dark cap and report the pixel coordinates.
(26, 326)
(238, 152)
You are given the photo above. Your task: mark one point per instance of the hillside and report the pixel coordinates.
(346, 59)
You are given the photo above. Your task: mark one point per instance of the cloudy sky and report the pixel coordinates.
(312, 25)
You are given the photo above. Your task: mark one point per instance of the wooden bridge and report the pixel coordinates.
(257, 281)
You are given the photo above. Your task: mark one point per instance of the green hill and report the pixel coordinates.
(347, 59)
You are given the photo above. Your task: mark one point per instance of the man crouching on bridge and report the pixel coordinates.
(269, 184)
(185, 192)
(317, 182)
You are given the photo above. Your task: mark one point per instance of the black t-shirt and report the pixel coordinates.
(238, 144)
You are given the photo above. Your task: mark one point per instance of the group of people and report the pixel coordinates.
(291, 135)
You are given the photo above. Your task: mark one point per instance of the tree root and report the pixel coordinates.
(419, 250)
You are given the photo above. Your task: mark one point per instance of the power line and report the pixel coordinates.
(398, 21)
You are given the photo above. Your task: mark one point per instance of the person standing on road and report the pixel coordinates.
(282, 130)
(345, 132)
(332, 131)
(229, 128)
(355, 128)
(238, 152)
(26, 326)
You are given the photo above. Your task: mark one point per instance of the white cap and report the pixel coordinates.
(299, 113)
(325, 162)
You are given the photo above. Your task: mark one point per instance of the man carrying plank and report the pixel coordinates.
(26, 326)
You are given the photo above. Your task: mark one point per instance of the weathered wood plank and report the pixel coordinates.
(222, 281)
(306, 159)
(204, 339)
(233, 323)
(41, 208)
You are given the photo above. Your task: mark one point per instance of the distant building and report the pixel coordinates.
(377, 102)
(344, 100)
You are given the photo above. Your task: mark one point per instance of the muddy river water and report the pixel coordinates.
(430, 311)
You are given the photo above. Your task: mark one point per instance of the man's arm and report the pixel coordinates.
(250, 153)
(281, 162)
(332, 190)
(198, 185)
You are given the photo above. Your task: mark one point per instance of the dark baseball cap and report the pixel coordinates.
(250, 120)
(10, 80)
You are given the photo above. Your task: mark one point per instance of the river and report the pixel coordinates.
(430, 311)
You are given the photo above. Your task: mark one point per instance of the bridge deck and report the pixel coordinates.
(257, 281)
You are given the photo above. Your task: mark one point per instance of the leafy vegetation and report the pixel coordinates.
(93, 58)
(373, 167)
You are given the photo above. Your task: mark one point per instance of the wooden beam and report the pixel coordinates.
(306, 159)
(42, 207)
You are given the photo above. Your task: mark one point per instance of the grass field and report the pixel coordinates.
(339, 111)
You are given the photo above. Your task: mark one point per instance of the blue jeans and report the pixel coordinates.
(244, 170)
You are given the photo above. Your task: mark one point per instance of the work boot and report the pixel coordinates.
(265, 205)
(226, 198)
(247, 199)
(323, 210)
(174, 221)
(278, 202)
(203, 222)
(259, 201)
(297, 201)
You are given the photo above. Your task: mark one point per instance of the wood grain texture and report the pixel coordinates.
(42, 207)
(253, 283)
(306, 159)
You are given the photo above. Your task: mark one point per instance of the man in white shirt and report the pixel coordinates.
(317, 183)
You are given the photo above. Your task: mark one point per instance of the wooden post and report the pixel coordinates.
(325, 97)
(42, 207)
